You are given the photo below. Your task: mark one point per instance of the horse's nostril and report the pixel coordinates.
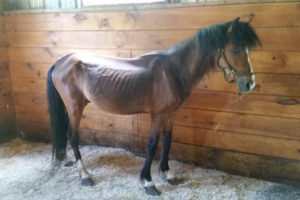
(248, 85)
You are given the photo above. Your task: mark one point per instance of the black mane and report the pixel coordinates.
(217, 36)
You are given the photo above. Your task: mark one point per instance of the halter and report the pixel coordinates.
(233, 73)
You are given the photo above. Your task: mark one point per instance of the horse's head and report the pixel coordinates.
(233, 59)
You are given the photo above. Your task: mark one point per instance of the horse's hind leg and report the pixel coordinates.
(75, 109)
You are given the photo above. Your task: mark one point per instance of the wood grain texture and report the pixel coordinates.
(278, 15)
(270, 84)
(258, 145)
(290, 39)
(204, 100)
(264, 167)
(235, 122)
(4, 70)
(262, 61)
(7, 112)
(282, 62)
(50, 55)
(251, 104)
(93, 118)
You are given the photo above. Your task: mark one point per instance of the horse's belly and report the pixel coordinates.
(120, 107)
(119, 92)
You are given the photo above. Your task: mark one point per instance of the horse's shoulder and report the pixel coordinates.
(157, 62)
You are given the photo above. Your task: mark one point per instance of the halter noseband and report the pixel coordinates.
(233, 73)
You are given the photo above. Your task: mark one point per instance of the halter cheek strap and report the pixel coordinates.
(232, 72)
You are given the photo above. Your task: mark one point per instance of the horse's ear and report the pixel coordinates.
(250, 17)
(233, 25)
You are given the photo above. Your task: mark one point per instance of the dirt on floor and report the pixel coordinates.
(25, 174)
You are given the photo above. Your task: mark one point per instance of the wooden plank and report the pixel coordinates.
(262, 61)
(2, 24)
(206, 16)
(290, 38)
(38, 101)
(42, 116)
(92, 118)
(34, 131)
(3, 40)
(286, 85)
(29, 70)
(24, 99)
(3, 54)
(271, 84)
(71, 21)
(266, 15)
(5, 84)
(4, 70)
(104, 39)
(270, 41)
(6, 101)
(259, 145)
(249, 165)
(206, 100)
(6, 113)
(248, 104)
(282, 170)
(7, 129)
(265, 61)
(29, 85)
(50, 55)
(275, 62)
(242, 123)
(112, 123)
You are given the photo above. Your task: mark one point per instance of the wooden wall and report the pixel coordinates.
(7, 115)
(257, 135)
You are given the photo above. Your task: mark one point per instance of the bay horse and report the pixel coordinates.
(157, 83)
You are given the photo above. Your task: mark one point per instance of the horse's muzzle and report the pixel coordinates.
(246, 86)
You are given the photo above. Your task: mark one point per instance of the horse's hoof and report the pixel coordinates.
(152, 190)
(69, 163)
(87, 182)
(175, 181)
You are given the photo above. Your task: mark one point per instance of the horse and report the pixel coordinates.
(157, 83)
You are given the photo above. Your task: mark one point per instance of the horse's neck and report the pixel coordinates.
(191, 64)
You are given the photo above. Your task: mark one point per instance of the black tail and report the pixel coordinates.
(58, 119)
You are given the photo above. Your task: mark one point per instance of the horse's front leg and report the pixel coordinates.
(145, 175)
(164, 162)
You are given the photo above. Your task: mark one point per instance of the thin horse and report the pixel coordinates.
(157, 83)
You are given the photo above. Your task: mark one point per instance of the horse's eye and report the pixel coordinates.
(235, 50)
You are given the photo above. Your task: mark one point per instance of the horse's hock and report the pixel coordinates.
(254, 135)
